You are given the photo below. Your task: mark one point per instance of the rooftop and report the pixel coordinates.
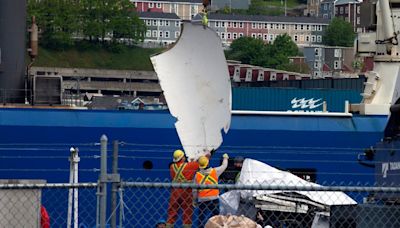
(167, 1)
(171, 16)
(343, 2)
(262, 18)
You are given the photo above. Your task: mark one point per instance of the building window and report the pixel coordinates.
(260, 76)
(295, 27)
(222, 24)
(316, 74)
(259, 36)
(338, 53)
(177, 24)
(177, 34)
(317, 52)
(240, 24)
(271, 37)
(301, 27)
(253, 35)
(341, 10)
(148, 33)
(308, 27)
(161, 23)
(319, 39)
(317, 64)
(358, 9)
(346, 9)
(229, 24)
(283, 26)
(285, 77)
(265, 36)
(234, 24)
(313, 39)
(337, 65)
(272, 26)
(148, 22)
(161, 33)
(159, 5)
(222, 35)
(319, 27)
(278, 26)
(234, 35)
(240, 34)
(154, 33)
(358, 20)
(272, 76)
(228, 35)
(307, 38)
(266, 25)
(155, 23)
(336, 10)
(166, 34)
(217, 24)
(253, 25)
(295, 38)
(325, 6)
(151, 5)
(166, 23)
(259, 25)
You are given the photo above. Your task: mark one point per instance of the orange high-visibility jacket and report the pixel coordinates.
(211, 178)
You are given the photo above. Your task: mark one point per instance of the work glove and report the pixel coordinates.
(225, 156)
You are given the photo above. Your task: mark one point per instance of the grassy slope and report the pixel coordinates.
(130, 58)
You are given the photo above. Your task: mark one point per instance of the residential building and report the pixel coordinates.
(162, 28)
(230, 4)
(185, 9)
(248, 73)
(312, 9)
(327, 9)
(325, 61)
(303, 30)
(349, 10)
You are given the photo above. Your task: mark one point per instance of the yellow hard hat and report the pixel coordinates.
(178, 155)
(203, 162)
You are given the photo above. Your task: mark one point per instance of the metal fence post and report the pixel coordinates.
(103, 181)
(114, 188)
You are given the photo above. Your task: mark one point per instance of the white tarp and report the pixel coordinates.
(195, 79)
(256, 172)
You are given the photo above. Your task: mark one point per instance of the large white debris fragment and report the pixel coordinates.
(195, 79)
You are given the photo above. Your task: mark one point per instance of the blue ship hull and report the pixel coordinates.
(35, 143)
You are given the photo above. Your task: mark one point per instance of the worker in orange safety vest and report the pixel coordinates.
(208, 199)
(181, 172)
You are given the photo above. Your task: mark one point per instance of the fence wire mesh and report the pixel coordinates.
(262, 205)
(145, 204)
(47, 205)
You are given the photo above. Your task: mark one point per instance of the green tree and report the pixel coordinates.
(57, 20)
(279, 51)
(248, 50)
(63, 21)
(254, 51)
(125, 23)
(339, 33)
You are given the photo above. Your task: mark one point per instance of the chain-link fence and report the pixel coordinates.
(269, 205)
(33, 204)
(144, 204)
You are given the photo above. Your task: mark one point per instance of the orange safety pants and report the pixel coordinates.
(180, 199)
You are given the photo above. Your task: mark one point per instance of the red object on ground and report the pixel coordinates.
(44, 218)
